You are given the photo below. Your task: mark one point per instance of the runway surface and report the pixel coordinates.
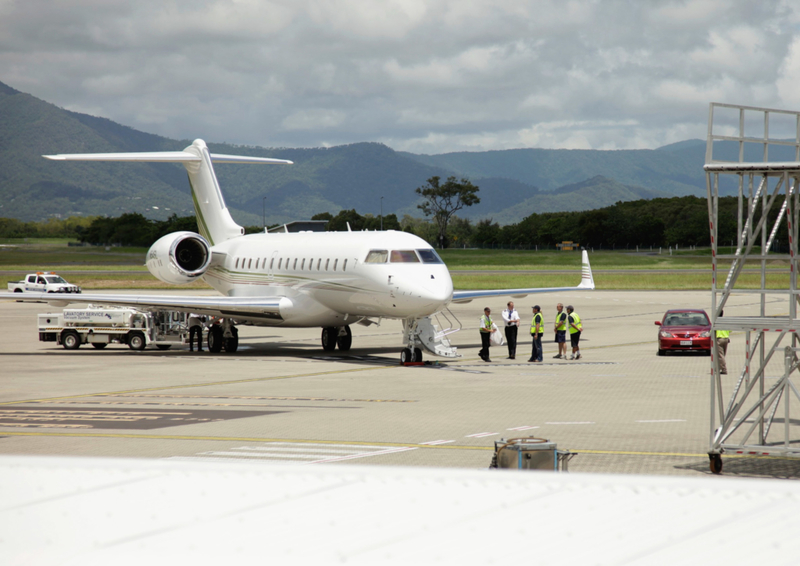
(280, 398)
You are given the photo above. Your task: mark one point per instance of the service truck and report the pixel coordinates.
(101, 326)
(42, 282)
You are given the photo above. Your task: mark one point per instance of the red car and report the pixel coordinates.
(687, 330)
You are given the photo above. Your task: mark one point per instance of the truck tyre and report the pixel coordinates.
(99, 345)
(71, 340)
(18, 290)
(215, 339)
(136, 340)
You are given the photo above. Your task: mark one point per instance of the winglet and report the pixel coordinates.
(587, 279)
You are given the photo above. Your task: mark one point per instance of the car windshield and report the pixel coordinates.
(429, 256)
(55, 279)
(686, 319)
(404, 256)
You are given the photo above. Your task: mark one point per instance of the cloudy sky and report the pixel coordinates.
(422, 76)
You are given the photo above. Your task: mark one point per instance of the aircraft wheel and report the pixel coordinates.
(99, 345)
(71, 340)
(214, 340)
(136, 340)
(417, 355)
(329, 335)
(232, 344)
(405, 355)
(715, 463)
(344, 341)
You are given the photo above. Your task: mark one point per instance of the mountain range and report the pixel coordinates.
(513, 183)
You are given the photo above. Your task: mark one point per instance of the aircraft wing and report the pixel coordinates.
(586, 284)
(213, 305)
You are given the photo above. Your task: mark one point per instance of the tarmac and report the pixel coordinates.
(281, 398)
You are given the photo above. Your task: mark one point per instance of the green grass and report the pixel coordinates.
(54, 255)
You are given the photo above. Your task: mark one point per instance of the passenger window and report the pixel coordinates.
(377, 256)
(249, 263)
(295, 264)
(319, 263)
(404, 256)
(271, 263)
(327, 263)
(257, 260)
(303, 264)
(335, 263)
(429, 256)
(280, 261)
(344, 266)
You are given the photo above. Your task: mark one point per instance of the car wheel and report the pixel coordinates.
(661, 352)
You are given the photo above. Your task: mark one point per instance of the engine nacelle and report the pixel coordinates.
(179, 258)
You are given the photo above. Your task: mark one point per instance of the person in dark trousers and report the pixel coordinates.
(511, 320)
(722, 339)
(561, 332)
(575, 328)
(195, 329)
(486, 332)
(537, 329)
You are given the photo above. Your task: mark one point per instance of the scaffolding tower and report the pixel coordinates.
(752, 410)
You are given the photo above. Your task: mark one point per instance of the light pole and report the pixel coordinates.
(381, 214)
(264, 212)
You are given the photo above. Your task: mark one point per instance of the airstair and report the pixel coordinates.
(433, 336)
(756, 152)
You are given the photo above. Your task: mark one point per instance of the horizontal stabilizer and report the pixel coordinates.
(164, 157)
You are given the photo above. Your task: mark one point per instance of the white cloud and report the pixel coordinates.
(430, 76)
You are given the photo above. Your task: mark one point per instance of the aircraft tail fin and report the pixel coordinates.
(214, 221)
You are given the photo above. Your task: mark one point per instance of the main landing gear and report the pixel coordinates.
(333, 336)
(222, 336)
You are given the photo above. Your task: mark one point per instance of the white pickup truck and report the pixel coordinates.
(43, 282)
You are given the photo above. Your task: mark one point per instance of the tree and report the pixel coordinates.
(442, 201)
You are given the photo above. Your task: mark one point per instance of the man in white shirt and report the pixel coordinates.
(511, 320)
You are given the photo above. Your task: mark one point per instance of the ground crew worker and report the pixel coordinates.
(575, 327)
(486, 332)
(195, 329)
(561, 331)
(537, 329)
(511, 320)
(722, 340)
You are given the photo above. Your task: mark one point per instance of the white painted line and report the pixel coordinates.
(664, 421)
(522, 428)
(568, 423)
(353, 450)
(354, 446)
(339, 459)
(481, 434)
(434, 442)
(261, 455)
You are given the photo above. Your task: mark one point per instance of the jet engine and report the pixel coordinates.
(179, 258)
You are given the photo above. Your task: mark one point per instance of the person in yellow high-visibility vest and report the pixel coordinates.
(575, 328)
(561, 331)
(722, 340)
(537, 329)
(486, 329)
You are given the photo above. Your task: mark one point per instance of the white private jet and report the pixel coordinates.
(306, 279)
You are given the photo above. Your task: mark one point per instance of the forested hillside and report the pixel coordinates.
(513, 183)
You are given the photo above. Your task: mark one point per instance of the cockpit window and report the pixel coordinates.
(404, 256)
(429, 256)
(377, 256)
